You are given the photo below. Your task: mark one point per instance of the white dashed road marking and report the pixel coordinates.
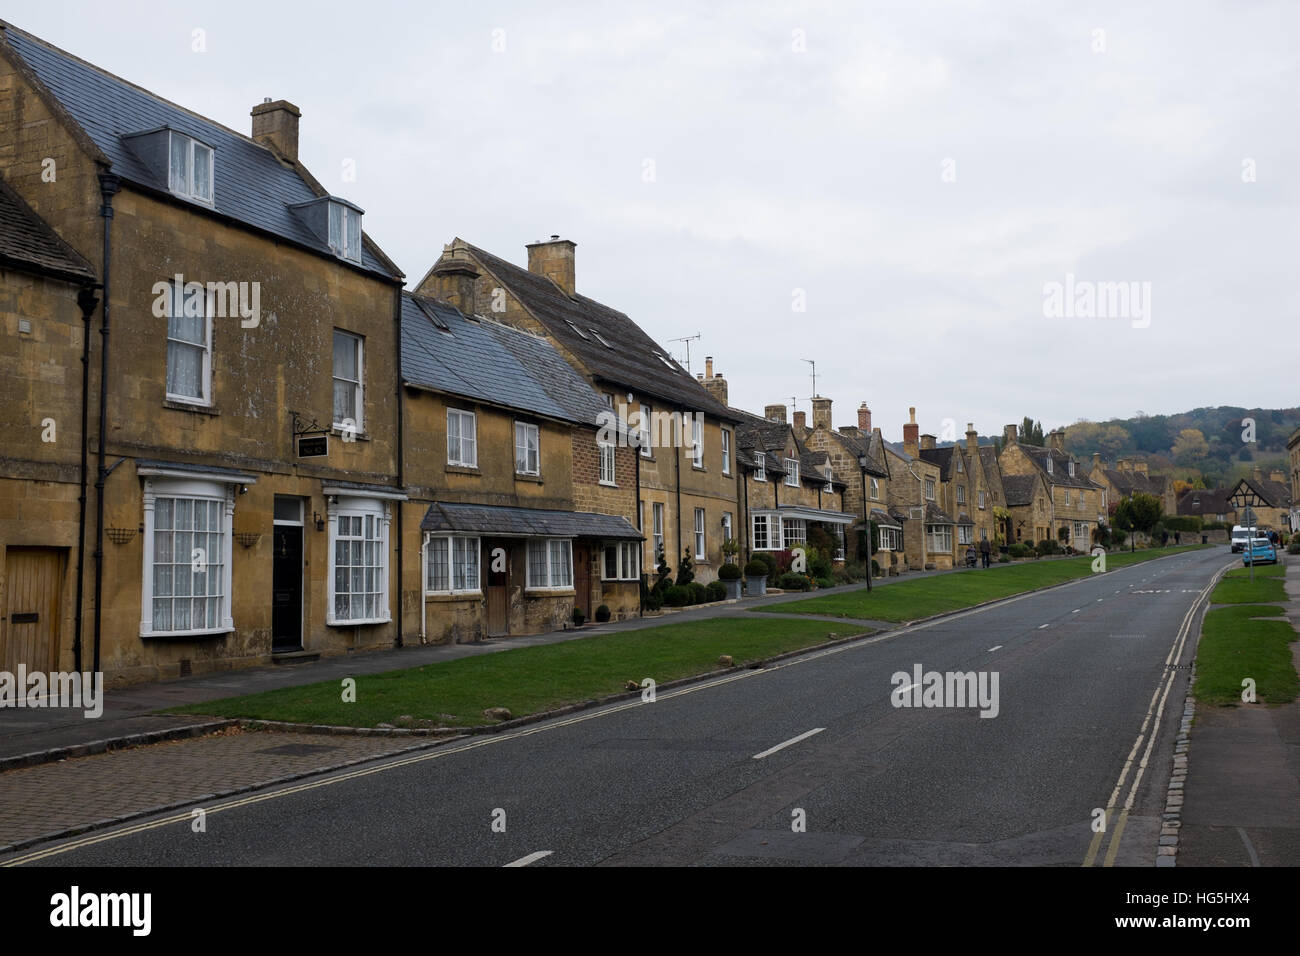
(795, 740)
(530, 858)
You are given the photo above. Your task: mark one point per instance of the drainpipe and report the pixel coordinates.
(749, 522)
(640, 526)
(87, 302)
(678, 470)
(866, 520)
(109, 184)
(921, 493)
(401, 464)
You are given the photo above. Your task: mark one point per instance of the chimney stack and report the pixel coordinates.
(822, 413)
(276, 124)
(1256, 473)
(708, 367)
(774, 413)
(1096, 459)
(1140, 466)
(864, 417)
(972, 440)
(553, 258)
(1009, 434)
(800, 424)
(452, 280)
(1276, 475)
(1056, 439)
(927, 442)
(910, 431)
(714, 383)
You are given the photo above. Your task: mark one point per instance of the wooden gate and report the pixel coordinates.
(33, 609)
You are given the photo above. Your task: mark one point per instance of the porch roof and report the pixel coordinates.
(808, 514)
(451, 518)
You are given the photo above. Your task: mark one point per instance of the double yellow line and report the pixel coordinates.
(1149, 731)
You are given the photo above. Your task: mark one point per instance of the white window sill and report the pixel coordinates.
(454, 595)
(550, 592)
(197, 403)
(335, 622)
(608, 484)
(206, 632)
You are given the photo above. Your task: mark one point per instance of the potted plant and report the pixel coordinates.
(756, 578)
(729, 575)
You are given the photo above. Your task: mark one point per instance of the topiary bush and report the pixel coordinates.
(654, 601)
(819, 565)
(766, 558)
(699, 593)
(602, 613)
(578, 617)
(1048, 546)
(715, 591)
(1019, 550)
(677, 596)
(729, 572)
(794, 582)
(757, 569)
(686, 570)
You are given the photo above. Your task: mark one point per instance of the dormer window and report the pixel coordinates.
(1071, 468)
(792, 472)
(760, 467)
(1049, 464)
(345, 231)
(335, 222)
(190, 168)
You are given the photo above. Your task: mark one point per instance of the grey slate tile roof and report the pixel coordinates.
(1206, 501)
(447, 517)
(249, 183)
(884, 518)
(858, 444)
(485, 361)
(1060, 474)
(630, 360)
(936, 515)
(1019, 489)
(1130, 482)
(27, 242)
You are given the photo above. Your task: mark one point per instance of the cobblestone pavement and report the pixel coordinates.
(51, 798)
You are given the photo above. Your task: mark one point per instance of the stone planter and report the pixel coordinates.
(733, 589)
(757, 586)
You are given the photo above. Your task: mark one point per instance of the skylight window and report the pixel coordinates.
(581, 333)
(601, 339)
(189, 170)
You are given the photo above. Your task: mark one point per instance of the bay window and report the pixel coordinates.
(452, 565)
(187, 540)
(358, 561)
(550, 564)
(938, 538)
(891, 539)
(795, 532)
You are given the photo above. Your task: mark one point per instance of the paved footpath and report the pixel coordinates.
(1242, 804)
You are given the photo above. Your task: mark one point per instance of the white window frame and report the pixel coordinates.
(700, 542)
(961, 494)
(960, 469)
(657, 524)
(1071, 467)
(177, 300)
(447, 543)
(929, 489)
(523, 432)
(792, 472)
(890, 539)
(461, 416)
(726, 452)
(875, 489)
(359, 386)
(727, 534)
(938, 538)
(647, 450)
(794, 532)
(1067, 497)
(760, 467)
(607, 464)
(354, 507)
(187, 188)
(697, 442)
(345, 240)
(965, 534)
(980, 495)
(1049, 464)
(193, 490)
(549, 572)
(757, 522)
(627, 557)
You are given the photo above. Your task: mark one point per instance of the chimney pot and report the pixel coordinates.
(864, 417)
(708, 366)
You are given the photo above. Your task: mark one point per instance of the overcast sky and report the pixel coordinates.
(920, 171)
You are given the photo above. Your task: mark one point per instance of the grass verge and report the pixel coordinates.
(1235, 646)
(1241, 590)
(923, 597)
(530, 680)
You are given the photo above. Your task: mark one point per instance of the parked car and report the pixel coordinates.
(1261, 552)
(1240, 536)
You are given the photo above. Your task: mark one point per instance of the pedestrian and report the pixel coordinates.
(1178, 537)
(986, 551)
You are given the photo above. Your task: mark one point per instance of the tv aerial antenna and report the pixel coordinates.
(688, 339)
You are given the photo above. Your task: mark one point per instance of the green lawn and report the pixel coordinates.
(1234, 589)
(532, 679)
(912, 600)
(1234, 646)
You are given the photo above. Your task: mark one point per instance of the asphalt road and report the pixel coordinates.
(1082, 671)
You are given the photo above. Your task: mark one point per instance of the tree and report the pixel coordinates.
(1190, 447)
(1031, 432)
(1140, 512)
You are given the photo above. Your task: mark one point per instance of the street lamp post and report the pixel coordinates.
(1245, 500)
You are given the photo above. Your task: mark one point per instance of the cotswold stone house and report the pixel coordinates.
(1273, 512)
(518, 520)
(1293, 453)
(788, 491)
(1130, 477)
(927, 533)
(685, 473)
(241, 448)
(857, 457)
(1073, 510)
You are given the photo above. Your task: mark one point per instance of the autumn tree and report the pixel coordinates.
(1190, 447)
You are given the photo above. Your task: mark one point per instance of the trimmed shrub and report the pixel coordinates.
(765, 558)
(757, 569)
(819, 565)
(602, 613)
(686, 570)
(1019, 550)
(824, 582)
(578, 617)
(1048, 546)
(794, 582)
(677, 596)
(715, 591)
(1183, 523)
(729, 572)
(1294, 546)
(1003, 559)
(699, 593)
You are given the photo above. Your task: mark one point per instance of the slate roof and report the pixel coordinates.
(1019, 489)
(1060, 474)
(861, 443)
(630, 357)
(941, 457)
(447, 517)
(250, 185)
(884, 519)
(488, 362)
(1276, 494)
(27, 242)
(1206, 501)
(1131, 482)
(936, 515)
(989, 459)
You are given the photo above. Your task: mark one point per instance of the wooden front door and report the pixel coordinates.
(582, 577)
(497, 572)
(33, 611)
